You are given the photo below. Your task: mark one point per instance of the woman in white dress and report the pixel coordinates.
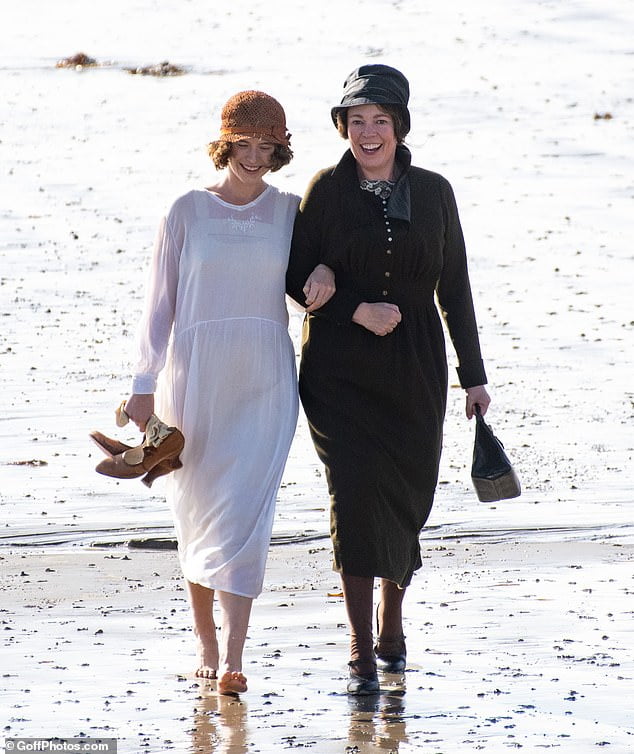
(214, 338)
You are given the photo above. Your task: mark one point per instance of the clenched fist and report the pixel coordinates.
(380, 318)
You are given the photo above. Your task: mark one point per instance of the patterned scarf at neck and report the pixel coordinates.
(380, 188)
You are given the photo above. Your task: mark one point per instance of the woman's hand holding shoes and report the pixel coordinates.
(139, 407)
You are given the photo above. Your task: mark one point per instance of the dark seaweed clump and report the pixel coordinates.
(79, 60)
(160, 69)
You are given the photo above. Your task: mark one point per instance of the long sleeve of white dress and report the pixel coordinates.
(160, 302)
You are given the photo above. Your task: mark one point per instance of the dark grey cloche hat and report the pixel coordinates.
(375, 85)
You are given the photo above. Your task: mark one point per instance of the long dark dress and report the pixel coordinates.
(376, 405)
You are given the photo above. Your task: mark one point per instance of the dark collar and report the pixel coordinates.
(399, 204)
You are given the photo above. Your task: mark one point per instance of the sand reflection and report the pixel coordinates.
(377, 723)
(220, 724)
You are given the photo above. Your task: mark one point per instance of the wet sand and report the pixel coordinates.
(513, 644)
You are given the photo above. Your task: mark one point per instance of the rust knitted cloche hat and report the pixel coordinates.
(253, 113)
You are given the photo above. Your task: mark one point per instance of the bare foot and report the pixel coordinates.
(232, 683)
(204, 671)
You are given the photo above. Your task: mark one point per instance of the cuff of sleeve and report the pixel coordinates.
(341, 307)
(471, 375)
(143, 384)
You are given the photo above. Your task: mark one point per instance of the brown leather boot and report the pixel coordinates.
(113, 447)
(161, 447)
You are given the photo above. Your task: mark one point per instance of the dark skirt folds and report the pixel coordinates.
(375, 411)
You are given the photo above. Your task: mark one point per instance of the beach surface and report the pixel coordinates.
(520, 623)
(513, 644)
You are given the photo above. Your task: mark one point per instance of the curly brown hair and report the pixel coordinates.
(400, 129)
(220, 151)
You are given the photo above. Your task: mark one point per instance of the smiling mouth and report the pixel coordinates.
(250, 169)
(370, 148)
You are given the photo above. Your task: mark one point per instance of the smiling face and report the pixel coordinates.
(250, 159)
(372, 141)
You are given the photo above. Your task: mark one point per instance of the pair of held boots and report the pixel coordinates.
(158, 453)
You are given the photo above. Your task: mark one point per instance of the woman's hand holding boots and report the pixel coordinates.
(139, 407)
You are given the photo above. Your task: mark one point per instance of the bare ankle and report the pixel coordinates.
(207, 651)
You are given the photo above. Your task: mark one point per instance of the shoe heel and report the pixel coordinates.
(169, 464)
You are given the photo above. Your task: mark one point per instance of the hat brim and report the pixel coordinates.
(361, 100)
(233, 135)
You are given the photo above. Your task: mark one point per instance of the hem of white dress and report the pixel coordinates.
(219, 589)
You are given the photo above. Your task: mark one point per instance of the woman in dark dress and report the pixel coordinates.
(373, 377)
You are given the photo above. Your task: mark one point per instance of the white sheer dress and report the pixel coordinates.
(214, 338)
